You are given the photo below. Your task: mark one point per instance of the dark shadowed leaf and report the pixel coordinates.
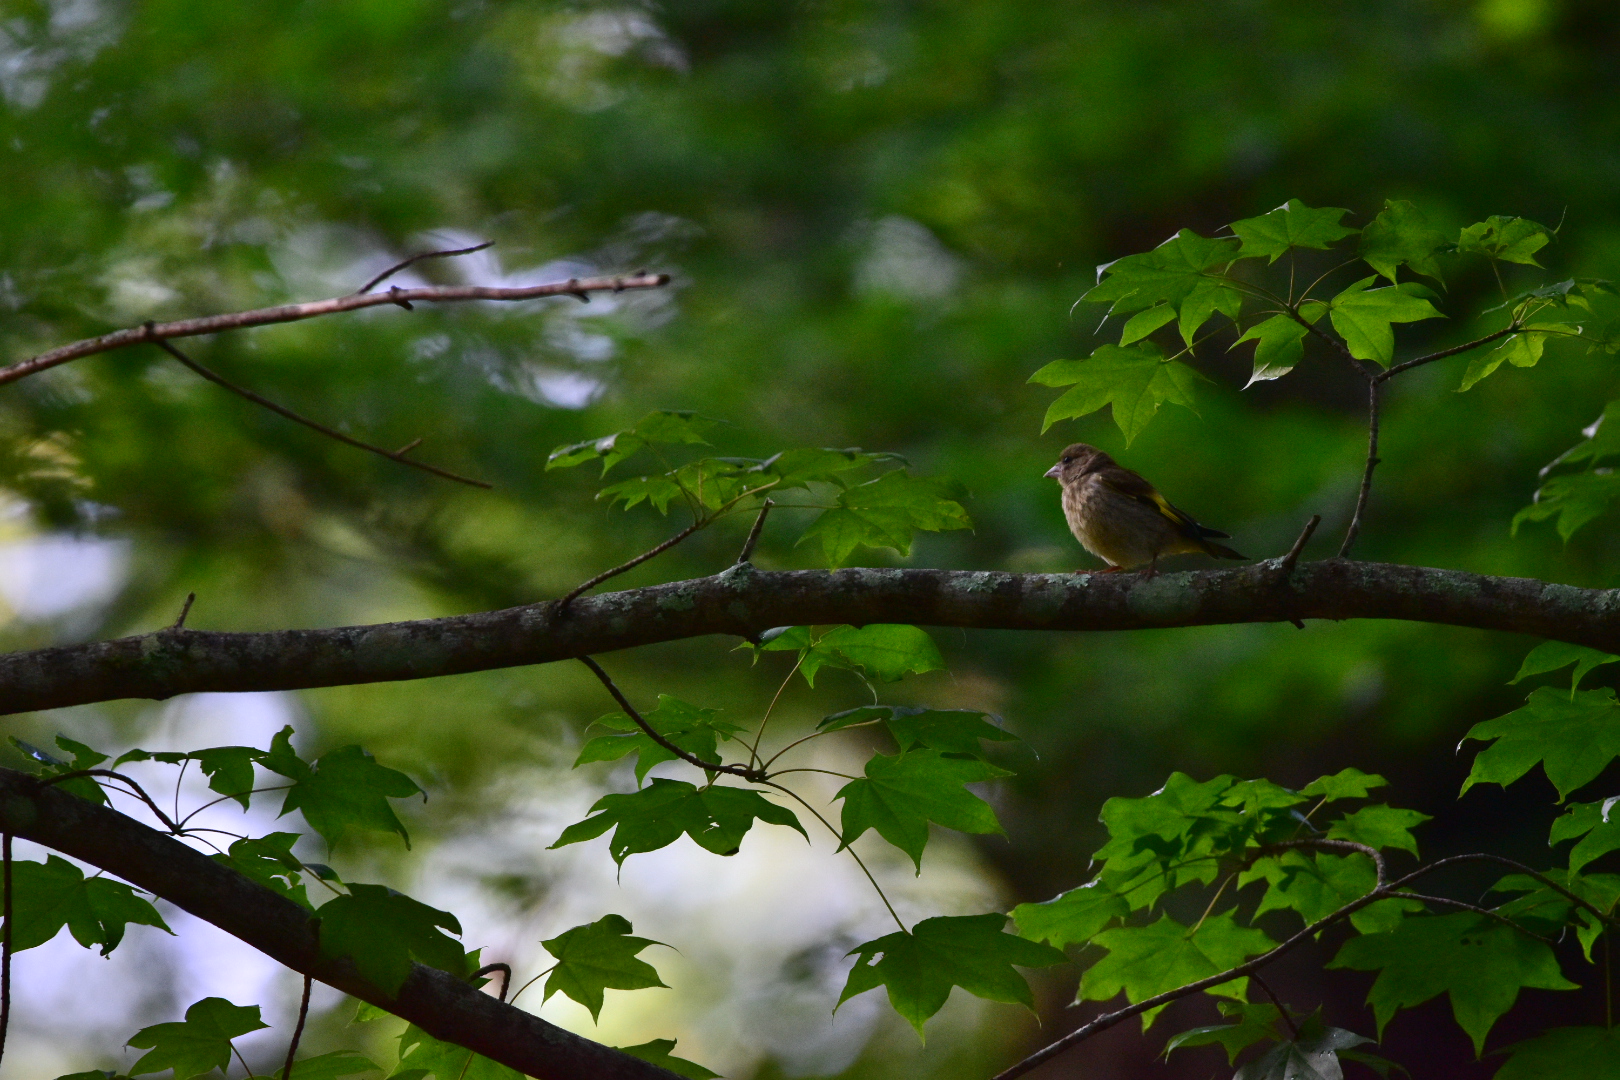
(198, 1044)
(599, 956)
(658, 1051)
(383, 931)
(901, 794)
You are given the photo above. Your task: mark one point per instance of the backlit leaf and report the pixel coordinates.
(599, 956)
(900, 795)
(1145, 961)
(1073, 918)
(198, 1044)
(1135, 381)
(1363, 316)
(1510, 239)
(1401, 234)
(1572, 737)
(1291, 225)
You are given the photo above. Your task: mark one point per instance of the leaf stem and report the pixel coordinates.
(753, 751)
(840, 838)
(298, 1032)
(1367, 473)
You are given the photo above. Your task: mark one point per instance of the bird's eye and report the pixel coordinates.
(1067, 460)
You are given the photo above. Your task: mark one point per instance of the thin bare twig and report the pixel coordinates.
(753, 534)
(1324, 844)
(504, 969)
(397, 267)
(1367, 474)
(752, 775)
(185, 609)
(1293, 1028)
(1383, 376)
(1338, 346)
(1475, 908)
(573, 594)
(298, 1032)
(213, 324)
(1290, 559)
(839, 837)
(281, 410)
(1502, 860)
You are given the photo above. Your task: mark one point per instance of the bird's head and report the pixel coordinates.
(1076, 461)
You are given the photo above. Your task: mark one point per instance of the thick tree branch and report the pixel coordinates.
(744, 602)
(213, 324)
(442, 1005)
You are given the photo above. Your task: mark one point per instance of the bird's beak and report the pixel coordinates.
(1053, 471)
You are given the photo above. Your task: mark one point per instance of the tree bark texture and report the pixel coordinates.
(744, 602)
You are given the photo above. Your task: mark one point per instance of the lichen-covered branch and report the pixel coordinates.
(744, 602)
(442, 1005)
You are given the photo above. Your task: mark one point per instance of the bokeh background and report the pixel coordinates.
(877, 215)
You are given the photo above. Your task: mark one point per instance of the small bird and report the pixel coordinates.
(1122, 519)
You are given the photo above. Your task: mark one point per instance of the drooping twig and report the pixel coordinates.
(185, 609)
(1367, 474)
(418, 257)
(752, 775)
(1502, 860)
(506, 976)
(281, 410)
(753, 534)
(213, 324)
(298, 1032)
(1293, 1028)
(574, 593)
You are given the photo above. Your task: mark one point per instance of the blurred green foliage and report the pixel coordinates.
(878, 215)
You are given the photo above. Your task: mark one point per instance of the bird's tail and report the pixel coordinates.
(1220, 551)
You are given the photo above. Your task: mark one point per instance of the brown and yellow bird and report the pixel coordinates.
(1122, 519)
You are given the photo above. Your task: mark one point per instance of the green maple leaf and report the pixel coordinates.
(1552, 655)
(1522, 349)
(1291, 225)
(1541, 903)
(383, 931)
(658, 491)
(950, 731)
(1072, 918)
(1135, 381)
(1379, 826)
(667, 427)
(1256, 1023)
(1401, 234)
(1183, 269)
(1510, 239)
(658, 1051)
(881, 651)
(1479, 962)
(1314, 1055)
(84, 787)
(343, 789)
(1278, 345)
(919, 967)
(886, 512)
(229, 770)
(1573, 737)
(1571, 1053)
(269, 861)
(199, 1044)
(1596, 825)
(1344, 784)
(50, 895)
(1145, 961)
(1317, 885)
(420, 1055)
(1573, 500)
(333, 1066)
(717, 818)
(1363, 316)
(599, 956)
(695, 730)
(901, 794)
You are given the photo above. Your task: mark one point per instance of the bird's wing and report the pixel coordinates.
(1136, 487)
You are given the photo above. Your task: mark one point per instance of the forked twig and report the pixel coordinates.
(281, 410)
(418, 257)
